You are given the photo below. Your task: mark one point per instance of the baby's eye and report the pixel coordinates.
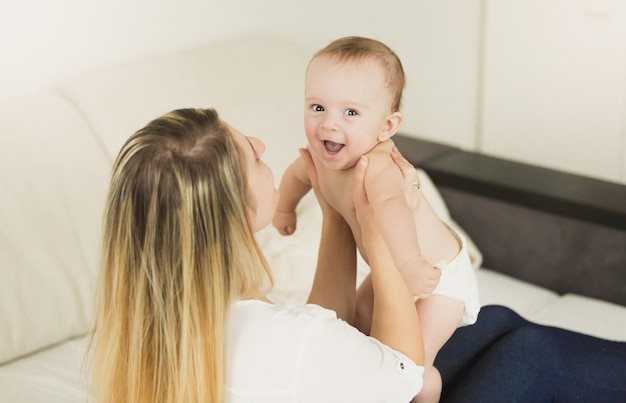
(351, 112)
(317, 108)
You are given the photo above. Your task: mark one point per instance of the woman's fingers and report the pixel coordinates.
(409, 173)
(364, 213)
(412, 183)
(360, 195)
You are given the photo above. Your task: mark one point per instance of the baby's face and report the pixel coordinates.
(347, 106)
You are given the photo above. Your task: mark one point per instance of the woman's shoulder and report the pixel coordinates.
(253, 313)
(277, 311)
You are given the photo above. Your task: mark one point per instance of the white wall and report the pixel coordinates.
(44, 41)
(468, 76)
(555, 84)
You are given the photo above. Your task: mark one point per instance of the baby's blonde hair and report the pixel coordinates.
(356, 48)
(177, 250)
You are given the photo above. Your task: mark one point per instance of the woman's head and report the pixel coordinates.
(262, 193)
(178, 248)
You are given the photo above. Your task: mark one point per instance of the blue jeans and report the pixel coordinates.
(505, 358)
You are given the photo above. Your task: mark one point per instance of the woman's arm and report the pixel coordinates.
(394, 318)
(334, 284)
(395, 218)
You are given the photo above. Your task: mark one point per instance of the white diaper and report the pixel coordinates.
(458, 281)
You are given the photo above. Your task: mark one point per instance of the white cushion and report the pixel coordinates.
(53, 179)
(293, 258)
(499, 289)
(55, 375)
(585, 315)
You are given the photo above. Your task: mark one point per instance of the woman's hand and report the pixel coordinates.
(364, 210)
(410, 178)
(412, 185)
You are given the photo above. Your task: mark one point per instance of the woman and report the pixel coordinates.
(183, 312)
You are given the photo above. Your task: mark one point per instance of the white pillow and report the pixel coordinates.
(601, 318)
(53, 178)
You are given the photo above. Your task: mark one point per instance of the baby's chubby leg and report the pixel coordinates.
(439, 316)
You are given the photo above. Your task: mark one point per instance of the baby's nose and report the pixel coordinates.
(330, 123)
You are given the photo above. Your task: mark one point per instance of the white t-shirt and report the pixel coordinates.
(278, 353)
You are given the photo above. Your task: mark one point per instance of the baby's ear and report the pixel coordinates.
(390, 126)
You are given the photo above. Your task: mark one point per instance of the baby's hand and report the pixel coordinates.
(421, 277)
(285, 222)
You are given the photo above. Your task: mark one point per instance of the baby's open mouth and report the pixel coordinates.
(332, 147)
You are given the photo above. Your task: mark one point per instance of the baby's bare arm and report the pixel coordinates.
(294, 185)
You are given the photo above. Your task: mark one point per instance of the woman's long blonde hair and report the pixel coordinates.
(177, 250)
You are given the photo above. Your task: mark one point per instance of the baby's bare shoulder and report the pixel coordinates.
(382, 148)
(380, 157)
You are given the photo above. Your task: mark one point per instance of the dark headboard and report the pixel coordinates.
(558, 230)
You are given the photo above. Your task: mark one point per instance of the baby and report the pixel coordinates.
(353, 89)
